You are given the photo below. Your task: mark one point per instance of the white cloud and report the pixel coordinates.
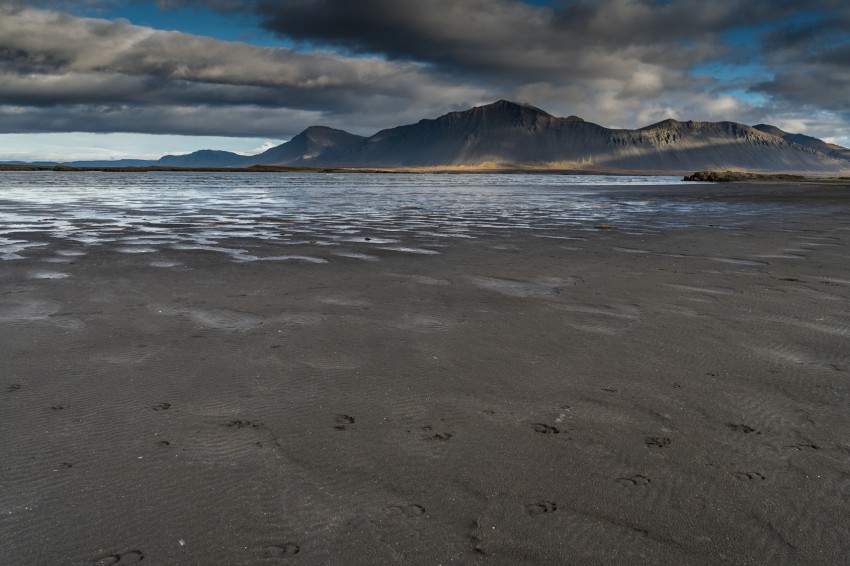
(268, 144)
(88, 147)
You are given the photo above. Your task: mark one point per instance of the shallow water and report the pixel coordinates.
(145, 212)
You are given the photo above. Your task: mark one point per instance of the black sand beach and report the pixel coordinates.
(593, 397)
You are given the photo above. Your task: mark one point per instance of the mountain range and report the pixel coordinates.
(508, 134)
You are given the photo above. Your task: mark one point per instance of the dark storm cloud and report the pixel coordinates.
(374, 63)
(810, 66)
(511, 35)
(54, 43)
(810, 61)
(503, 38)
(633, 57)
(48, 58)
(174, 119)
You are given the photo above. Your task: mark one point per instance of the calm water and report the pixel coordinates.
(145, 212)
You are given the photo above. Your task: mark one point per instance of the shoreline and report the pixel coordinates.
(712, 176)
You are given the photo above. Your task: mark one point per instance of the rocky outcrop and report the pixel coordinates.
(737, 176)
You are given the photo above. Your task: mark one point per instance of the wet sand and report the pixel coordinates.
(592, 397)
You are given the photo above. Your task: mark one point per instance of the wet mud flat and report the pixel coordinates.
(675, 395)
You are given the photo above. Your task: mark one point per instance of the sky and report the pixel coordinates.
(111, 79)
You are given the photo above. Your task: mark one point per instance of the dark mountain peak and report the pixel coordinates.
(499, 114)
(321, 137)
(772, 130)
(668, 124)
(312, 130)
(511, 105)
(322, 134)
(210, 153)
(506, 107)
(495, 110)
(309, 145)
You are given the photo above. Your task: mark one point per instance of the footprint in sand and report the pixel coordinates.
(742, 428)
(130, 557)
(636, 480)
(544, 428)
(281, 550)
(541, 508)
(440, 436)
(657, 441)
(748, 476)
(342, 421)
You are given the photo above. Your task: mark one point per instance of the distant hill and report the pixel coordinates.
(316, 143)
(508, 134)
(203, 158)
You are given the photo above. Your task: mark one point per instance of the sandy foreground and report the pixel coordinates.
(595, 397)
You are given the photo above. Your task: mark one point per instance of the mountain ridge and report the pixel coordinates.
(830, 149)
(507, 133)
